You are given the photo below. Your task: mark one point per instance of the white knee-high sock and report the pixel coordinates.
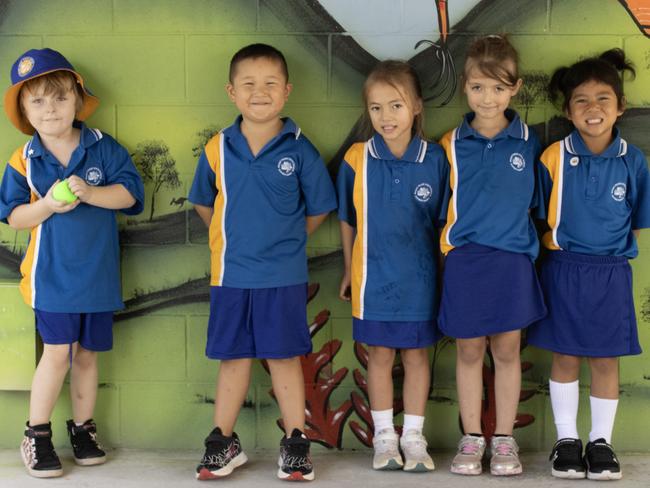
(564, 400)
(603, 414)
(383, 419)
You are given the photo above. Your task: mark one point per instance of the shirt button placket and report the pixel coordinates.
(396, 184)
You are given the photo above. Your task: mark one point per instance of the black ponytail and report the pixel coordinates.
(607, 68)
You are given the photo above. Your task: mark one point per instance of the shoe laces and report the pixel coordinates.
(85, 439)
(469, 446)
(504, 448)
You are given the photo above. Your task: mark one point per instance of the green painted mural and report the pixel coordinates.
(159, 67)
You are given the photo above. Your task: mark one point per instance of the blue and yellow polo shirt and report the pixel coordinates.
(593, 202)
(72, 262)
(395, 205)
(258, 230)
(493, 187)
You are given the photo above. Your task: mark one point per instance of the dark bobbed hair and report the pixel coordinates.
(490, 55)
(401, 76)
(608, 68)
(255, 51)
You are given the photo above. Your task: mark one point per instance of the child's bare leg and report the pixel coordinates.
(507, 382)
(565, 368)
(289, 390)
(416, 380)
(232, 386)
(469, 381)
(83, 384)
(47, 382)
(604, 377)
(380, 377)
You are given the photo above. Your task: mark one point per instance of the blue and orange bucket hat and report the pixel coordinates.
(35, 63)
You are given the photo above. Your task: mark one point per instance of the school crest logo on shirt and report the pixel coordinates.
(619, 190)
(94, 176)
(423, 192)
(517, 162)
(25, 66)
(286, 166)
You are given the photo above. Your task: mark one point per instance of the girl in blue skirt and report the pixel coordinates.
(490, 289)
(596, 194)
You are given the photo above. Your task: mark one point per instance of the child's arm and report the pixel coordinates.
(29, 215)
(113, 197)
(314, 222)
(636, 233)
(205, 213)
(347, 240)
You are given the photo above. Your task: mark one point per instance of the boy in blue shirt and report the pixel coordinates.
(261, 187)
(71, 273)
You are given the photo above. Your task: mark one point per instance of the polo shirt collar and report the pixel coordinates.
(288, 127)
(516, 129)
(415, 151)
(574, 144)
(87, 138)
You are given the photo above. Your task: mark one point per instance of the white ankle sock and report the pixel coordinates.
(564, 400)
(413, 422)
(383, 419)
(603, 414)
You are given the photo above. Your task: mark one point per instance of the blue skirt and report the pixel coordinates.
(487, 291)
(591, 306)
(396, 335)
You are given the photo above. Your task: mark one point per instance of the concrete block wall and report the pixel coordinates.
(159, 67)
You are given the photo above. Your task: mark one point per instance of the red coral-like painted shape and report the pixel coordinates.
(323, 424)
(361, 405)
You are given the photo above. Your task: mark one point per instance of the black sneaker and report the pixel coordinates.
(222, 455)
(567, 459)
(601, 461)
(295, 461)
(38, 453)
(86, 449)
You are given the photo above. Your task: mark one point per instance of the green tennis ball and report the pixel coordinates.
(62, 192)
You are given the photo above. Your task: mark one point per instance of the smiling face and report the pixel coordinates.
(50, 112)
(593, 108)
(259, 89)
(488, 97)
(392, 115)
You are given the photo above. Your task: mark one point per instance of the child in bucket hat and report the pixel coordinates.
(36, 63)
(72, 283)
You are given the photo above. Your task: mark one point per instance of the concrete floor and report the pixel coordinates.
(139, 468)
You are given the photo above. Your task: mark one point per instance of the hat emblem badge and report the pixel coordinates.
(25, 66)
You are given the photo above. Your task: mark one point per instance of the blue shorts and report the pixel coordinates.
(487, 291)
(93, 331)
(396, 335)
(265, 323)
(590, 306)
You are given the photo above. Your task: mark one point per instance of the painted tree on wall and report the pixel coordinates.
(533, 91)
(157, 166)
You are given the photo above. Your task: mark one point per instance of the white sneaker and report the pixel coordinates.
(387, 454)
(414, 448)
